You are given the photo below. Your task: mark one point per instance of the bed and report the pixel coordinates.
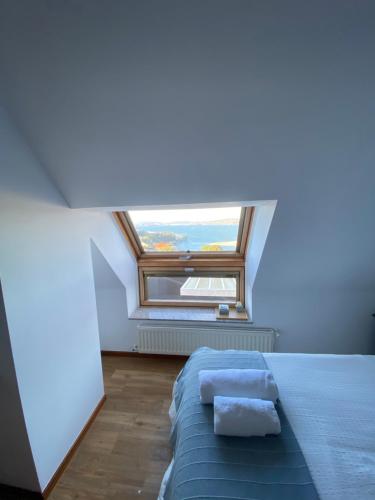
(326, 449)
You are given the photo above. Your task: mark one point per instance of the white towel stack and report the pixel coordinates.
(245, 417)
(243, 401)
(245, 383)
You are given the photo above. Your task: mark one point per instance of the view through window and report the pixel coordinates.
(182, 230)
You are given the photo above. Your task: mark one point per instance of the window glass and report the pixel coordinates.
(175, 287)
(182, 230)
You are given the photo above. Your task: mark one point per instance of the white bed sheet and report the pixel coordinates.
(329, 401)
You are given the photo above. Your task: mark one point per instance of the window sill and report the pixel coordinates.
(206, 314)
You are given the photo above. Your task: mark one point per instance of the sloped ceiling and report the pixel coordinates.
(156, 102)
(127, 102)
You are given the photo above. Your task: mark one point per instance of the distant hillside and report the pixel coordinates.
(220, 222)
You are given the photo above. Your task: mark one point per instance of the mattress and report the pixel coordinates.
(207, 466)
(329, 402)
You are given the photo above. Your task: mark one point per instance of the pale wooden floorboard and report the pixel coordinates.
(126, 451)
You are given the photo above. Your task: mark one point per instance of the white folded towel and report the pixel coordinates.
(245, 383)
(245, 417)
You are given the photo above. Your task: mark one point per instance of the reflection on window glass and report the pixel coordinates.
(182, 230)
(195, 288)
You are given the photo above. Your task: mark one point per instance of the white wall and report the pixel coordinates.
(47, 280)
(260, 226)
(319, 320)
(116, 331)
(16, 461)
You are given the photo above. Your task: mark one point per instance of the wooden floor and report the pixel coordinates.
(126, 451)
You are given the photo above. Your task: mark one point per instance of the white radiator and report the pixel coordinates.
(158, 339)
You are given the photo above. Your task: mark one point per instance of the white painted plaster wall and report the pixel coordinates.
(116, 331)
(47, 281)
(17, 466)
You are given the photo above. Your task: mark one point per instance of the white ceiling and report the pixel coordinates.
(139, 102)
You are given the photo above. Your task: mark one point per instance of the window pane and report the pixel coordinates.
(175, 288)
(182, 230)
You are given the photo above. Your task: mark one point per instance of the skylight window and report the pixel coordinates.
(189, 256)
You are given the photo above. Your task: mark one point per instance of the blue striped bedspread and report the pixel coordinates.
(207, 466)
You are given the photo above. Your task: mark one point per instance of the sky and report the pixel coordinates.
(184, 215)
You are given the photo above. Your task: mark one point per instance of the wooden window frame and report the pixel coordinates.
(166, 262)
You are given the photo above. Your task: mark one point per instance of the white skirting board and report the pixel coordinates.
(184, 340)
